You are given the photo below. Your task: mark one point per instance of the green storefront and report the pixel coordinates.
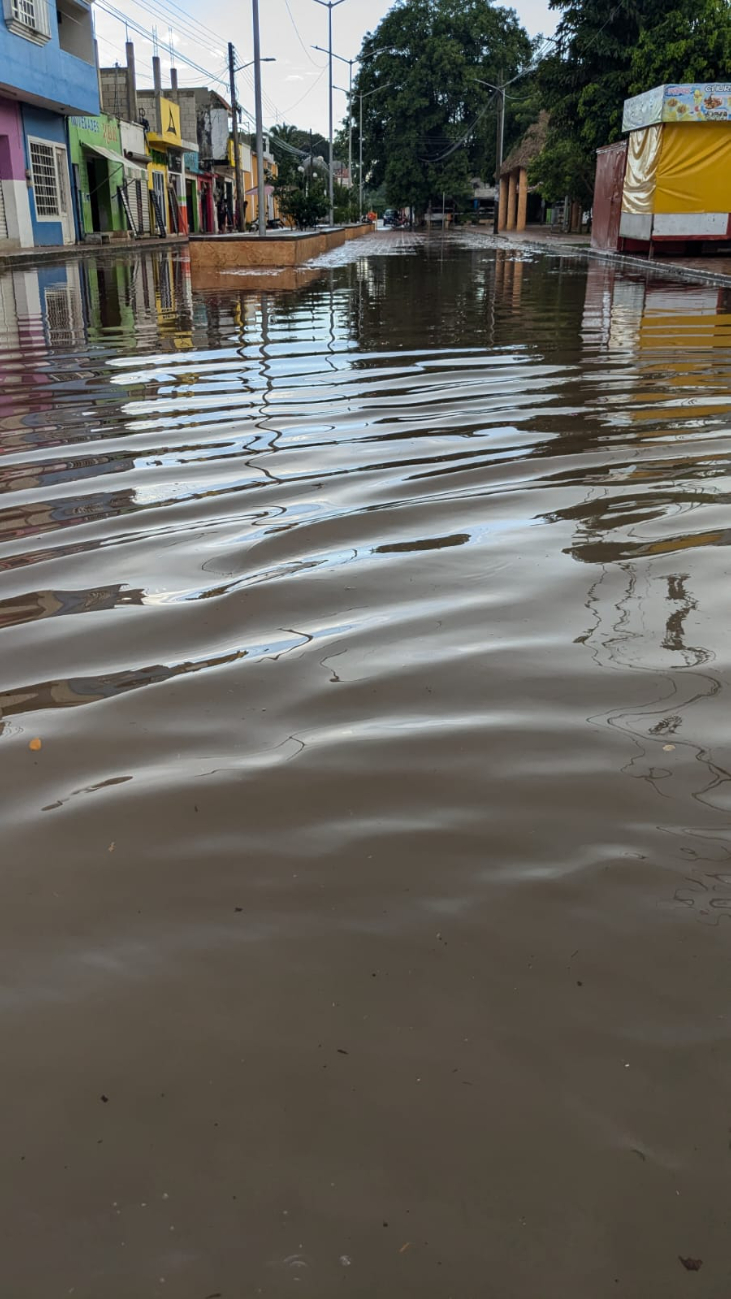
(98, 169)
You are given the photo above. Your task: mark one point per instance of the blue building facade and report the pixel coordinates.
(47, 72)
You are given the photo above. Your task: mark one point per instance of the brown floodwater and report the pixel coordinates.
(363, 913)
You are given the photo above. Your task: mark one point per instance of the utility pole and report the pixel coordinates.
(385, 49)
(360, 160)
(499, 155)
(349, 93)
(500, 92)
(259, 126)
(350, 126)
(330, 5)
(240, 200)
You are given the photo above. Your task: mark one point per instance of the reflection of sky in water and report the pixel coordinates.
(376, 634)
(258, 429)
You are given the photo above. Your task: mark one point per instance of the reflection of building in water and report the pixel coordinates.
(49, 315)
(652, 528)
(43, 303)
(41, 313)
(74, 692)
(53, 604)
(68, 303)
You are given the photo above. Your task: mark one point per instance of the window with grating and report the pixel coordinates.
(45, 186)
(28, 18)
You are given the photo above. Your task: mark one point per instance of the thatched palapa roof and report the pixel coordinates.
(529, 147)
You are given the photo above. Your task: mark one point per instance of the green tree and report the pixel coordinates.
(345, 202)
(304, 206)
(691, 42)
(602, 56)
(428, 123)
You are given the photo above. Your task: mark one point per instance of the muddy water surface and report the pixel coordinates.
(364, 915)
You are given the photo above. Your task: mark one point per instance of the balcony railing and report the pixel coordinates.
(28, 18)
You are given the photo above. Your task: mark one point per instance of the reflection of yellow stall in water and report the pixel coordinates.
(679, 330)
(677, 183)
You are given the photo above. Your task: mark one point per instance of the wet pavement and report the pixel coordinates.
(363, 911)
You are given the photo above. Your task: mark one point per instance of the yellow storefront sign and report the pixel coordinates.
(169, 132)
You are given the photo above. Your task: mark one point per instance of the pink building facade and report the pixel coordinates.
(16, 230)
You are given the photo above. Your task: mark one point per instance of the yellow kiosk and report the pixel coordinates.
(677, 181)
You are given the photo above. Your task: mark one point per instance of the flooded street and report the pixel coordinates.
(364, 914)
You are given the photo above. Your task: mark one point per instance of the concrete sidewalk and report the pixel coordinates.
(546, 235)
(57, 252)
(704, 270)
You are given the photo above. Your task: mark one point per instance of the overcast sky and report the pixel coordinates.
(295, 87)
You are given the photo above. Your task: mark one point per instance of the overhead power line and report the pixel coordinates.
(458, 144)
(186, 26)
(309, 90)
(143, 31)
(131, 24)
(314, 62)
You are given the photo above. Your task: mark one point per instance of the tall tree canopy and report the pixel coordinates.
(606, 51)
(428, 123)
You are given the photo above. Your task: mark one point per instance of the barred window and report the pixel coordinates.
(30, 15)
(45, 184)
(25, 12)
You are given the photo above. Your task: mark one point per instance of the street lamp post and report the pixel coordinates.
(257, 60)
(259, 122)
(240, 200)
(349, 93)
(360, 58)
(329, 5)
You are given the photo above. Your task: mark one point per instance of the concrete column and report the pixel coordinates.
(522, 198)
(157, 82)
(503, 203)
(510, 219)
(132, 115)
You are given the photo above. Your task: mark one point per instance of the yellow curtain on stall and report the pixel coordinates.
(694, 174)
(643, 155)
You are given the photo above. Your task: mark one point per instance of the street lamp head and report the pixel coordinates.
(243, 66)
(342, 59)
(383, 49)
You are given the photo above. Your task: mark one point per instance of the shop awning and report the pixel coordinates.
(268, 189)
(104, 153)
(133, 169)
